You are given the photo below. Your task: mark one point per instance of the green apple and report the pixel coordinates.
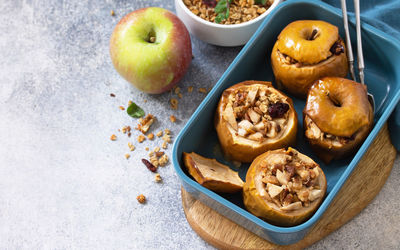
(151, 49)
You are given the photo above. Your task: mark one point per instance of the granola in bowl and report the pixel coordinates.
(228, 11)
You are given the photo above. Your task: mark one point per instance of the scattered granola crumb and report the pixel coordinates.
(156, 149)
(177, 90)
(190, 89)
(157, 178)
(147, 149)
(145, 123)
(129, 134)
(202, 90)
(112, 13)
(144, 100)
(129, 103)
(150, 136)
(127, 156)
(167, 131)
(159, 153)
(131, 147)
(163, 160)
(166, 138)
(159, 133)
(172, 118)
(113, 137)
(141, 198)
(164, 145)
(174, 103)
(121, 108)
(141, 138)
(112, 95)
(151, 153)
(180, 95)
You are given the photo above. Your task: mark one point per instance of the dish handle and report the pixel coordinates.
(394, 127)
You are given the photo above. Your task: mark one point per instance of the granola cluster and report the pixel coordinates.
(291, 182)
(256, 113)
(240, 11)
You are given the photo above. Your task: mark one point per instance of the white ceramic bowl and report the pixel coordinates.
(220, 34)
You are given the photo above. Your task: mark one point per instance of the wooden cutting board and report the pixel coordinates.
(358, 191)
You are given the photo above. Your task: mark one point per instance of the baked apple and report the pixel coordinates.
(212, 174)
(306, 51)
(284, 187)
(252, 117)
(337, 117)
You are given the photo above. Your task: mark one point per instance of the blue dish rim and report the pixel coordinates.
(325, 204)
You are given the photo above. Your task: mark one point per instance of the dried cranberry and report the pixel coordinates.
(337, 48)
(210, 3)
(277, 110)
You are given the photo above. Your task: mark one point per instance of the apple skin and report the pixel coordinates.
(151, 67)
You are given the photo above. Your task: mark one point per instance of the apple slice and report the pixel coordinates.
(212, 174)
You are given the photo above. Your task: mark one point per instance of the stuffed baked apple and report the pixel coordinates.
(306, 51)
(284, 187)
(337, 117)
(252, 117)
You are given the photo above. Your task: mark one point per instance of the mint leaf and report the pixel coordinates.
(263, 2)
(135, 111)
(220, 7)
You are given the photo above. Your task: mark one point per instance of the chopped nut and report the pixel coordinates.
(159, 153)
(147, 149)
(177, 90)
(145, 123)
(172, 118)
(190, 89)
(157, 178)
(141, 138)
(166, 138)
(180, 95)
(167, 131)
(113, 137)
(156, 149)
(121, 108)
(112, 95)
(159, 133)
(151, 153)
(164, 145)
(150, 136)
(174, 103)
(203, 90)
(130, 102)
(163, 160)
(141, 198)
(131, 147)
(127, 156)
(145, 101)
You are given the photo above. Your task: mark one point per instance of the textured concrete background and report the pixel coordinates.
(63, 183)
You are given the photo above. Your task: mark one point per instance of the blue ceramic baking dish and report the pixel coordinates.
(382, 57)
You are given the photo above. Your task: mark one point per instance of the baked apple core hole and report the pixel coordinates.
(335, 101)
(311, 35)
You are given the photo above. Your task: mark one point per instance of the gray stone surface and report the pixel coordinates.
(63, 183)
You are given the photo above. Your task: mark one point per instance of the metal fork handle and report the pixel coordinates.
(360, 57)
(350, 57)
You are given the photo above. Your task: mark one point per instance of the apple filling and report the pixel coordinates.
(291, 180)
(314, 132)
(336, 49)
(257, 113)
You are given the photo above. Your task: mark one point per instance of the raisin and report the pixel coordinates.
(149, 165)
(337, 48)
(210, 3)
(277, 110)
